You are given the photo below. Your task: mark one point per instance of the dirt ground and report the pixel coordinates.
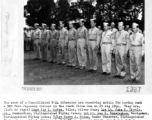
(44, 73)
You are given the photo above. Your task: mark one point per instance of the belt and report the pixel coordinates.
(136, 45)
(80, 38)
(72, 39)
(28, 37)
(121, 44)
(92, 39)
(106, 43)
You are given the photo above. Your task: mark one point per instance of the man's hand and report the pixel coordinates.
(96, 47)
(142, 53)
(85, 46)
(114, 51)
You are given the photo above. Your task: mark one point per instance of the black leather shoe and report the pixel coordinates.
(107, 73)
(90, 70)
(117, 76)
(122, 77)
(104, 73)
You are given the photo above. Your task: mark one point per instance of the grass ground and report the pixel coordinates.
(44, 73)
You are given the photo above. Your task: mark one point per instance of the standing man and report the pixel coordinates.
(37, 39)
(121, 50)
(72, 37)
(63, 42)
(128, 30)
(82, 40)
(28, 38)
(93, 45)
(136, 51)
(106, 49)
(44, 41)
(113, 30)
(53, 44)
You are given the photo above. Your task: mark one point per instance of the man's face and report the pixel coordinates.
(105, 27)
(120, 27)
(92, 23)
(127, 27)
(52, 27)
(112, 25)
(43, 27)
(61, 25)
(135, 29)
(70, 25)
(35, 26)
(99, 27)
(81, 23)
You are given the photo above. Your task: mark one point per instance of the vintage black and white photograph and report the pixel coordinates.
(84, 42)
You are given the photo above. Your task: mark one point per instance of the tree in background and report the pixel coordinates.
(105, 10)
(39, 11)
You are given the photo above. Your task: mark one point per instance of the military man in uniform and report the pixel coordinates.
(53, 44)
(72, 37)
(36, 36)
(121, 50)
(113, 30)
(136, 51)
(44, 41)
(128, 29)
(82, 40)
(106, 49)
(93, 45)
(63, 43)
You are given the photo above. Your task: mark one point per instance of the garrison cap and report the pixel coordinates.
(43, 24)
(81, 20)
(112, 23)
(94, 20)
(105, 24)
(71, 22)
(36, 24)
(120, 23)
(61, 22)
(53, 24)
(134, 24)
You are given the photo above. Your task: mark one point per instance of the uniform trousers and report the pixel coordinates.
(93, 60)
(120, 60)
(53, 50)
(106, 57)
(135, 61)
(72, 52)
(81, 52)
(37, 48)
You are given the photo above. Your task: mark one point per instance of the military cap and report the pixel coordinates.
(43, 24)
(61, 22)
(36, 24)
(134, 24)
(105, 24)
(81, 20)
(120, 23)
(112, 23)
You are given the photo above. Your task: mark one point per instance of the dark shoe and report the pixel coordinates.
(122, 77)
(68, 65)
(59, 63)
(77, 67)
(82, 68)
(104, 73)
(90, 70)
(94, 71)
(35, 59)
(116, 76)
(38, 58)
(107, 73)
(51, 62)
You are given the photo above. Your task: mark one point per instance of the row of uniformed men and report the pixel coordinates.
(79, 41)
